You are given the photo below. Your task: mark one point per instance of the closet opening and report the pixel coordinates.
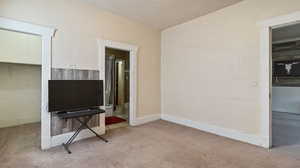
(20, 90)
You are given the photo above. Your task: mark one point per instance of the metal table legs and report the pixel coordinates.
(83, 124)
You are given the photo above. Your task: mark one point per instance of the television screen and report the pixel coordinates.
(68, 95)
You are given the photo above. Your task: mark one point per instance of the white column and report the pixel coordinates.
(46, 75)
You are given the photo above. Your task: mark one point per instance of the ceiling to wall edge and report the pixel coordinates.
(167, 27)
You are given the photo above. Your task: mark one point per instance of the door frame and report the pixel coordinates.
(266, 27)
(46, 35)
(133, 72)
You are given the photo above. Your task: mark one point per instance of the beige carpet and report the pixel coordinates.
(159, 144)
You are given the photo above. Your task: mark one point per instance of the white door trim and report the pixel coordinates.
(46, 34)
(265, 72)
(133, 72)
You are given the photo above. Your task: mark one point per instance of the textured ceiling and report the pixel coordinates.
(162, 13)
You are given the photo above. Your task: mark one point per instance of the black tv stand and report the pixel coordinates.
(87, 115)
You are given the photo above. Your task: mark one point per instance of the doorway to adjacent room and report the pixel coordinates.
(279, 76)
(121, 103)
(285, 69)
(117, 82)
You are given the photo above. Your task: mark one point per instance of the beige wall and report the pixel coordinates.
(79, 24)
(211, 65)
(20, 94)
(20, 48)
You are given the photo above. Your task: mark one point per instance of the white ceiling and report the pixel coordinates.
(162, 13)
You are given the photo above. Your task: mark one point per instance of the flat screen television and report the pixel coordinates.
(72, 95)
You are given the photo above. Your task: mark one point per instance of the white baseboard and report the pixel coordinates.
(225, 132)
(60, 139)
(146, 119)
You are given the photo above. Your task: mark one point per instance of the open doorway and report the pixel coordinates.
(46, 34)
(133, 50)
(20, 90)
(286, 88)
(117, 87)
